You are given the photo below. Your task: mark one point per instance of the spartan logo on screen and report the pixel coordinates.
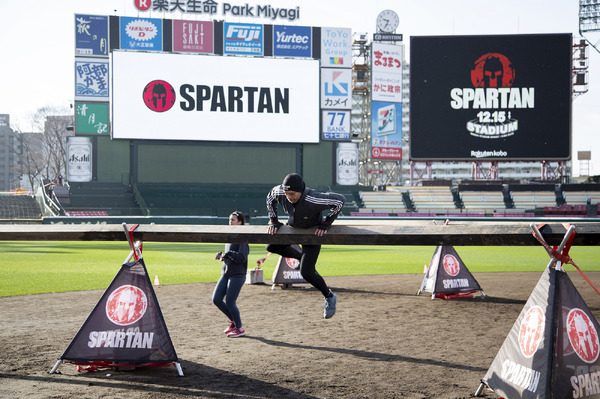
(159, 96)
(493, 99)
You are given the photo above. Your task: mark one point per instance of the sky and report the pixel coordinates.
(37, 43)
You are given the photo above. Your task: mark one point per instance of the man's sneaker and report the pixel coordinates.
(230, 328)
(237, 332)
(329, 306)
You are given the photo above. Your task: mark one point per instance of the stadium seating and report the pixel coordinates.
(465, 213)
(533, 199)
(528, 197)
(351, 193)
(19, 207)
(369, 213)
(513, 214)
(204, 199)
(482, 197)
(470, 199)
(86, 213)
(582, 197)
(483, 201)
(382, 201)
(114, 199)
(581, 194)
(432, 198)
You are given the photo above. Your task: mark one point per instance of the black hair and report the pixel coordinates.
(240, 216)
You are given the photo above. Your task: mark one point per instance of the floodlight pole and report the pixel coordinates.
(589, 20)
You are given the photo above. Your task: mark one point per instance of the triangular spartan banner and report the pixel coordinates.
(286, 273)
(448, 274)
(552, 349)
(126, 326)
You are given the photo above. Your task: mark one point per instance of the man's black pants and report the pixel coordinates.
(308, 261)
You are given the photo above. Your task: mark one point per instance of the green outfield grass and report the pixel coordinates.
(50, 266)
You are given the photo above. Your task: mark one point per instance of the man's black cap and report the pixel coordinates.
(293, 182)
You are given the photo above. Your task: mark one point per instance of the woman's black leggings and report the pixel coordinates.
(308, 261)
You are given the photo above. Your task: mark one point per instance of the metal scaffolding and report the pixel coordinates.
(370, 172)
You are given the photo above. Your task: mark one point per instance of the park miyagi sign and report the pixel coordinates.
(211, 8)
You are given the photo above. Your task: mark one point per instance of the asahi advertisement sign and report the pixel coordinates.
(79, 159)
(190, 97)
(347, 164)
(491, 97)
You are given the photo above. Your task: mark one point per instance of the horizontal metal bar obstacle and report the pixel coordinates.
(343, 232)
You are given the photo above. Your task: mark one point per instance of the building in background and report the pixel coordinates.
(10, 150)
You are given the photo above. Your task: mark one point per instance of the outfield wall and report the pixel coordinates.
(148, 161)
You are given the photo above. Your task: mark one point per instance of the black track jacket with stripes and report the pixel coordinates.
(307, 212)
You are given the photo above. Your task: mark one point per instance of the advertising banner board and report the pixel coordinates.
(141, 34)
(386, 72)
(193, 36)
(386, 130)
(91, 35)
(292, 41)
(91, 118)
(79, 159)
(91, 79)
(336, 47)
(192, 97)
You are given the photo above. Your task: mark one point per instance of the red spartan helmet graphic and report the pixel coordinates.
(583, 335)
(531, 331)
(492, 70)
(126, 305)
(291, 262)
(451, 265)
(159, 96)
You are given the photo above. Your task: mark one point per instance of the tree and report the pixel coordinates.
(31, 159)
(44, 155)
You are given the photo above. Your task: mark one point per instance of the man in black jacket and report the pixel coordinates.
(304, 207)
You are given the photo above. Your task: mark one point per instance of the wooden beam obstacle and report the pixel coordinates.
(343, 232)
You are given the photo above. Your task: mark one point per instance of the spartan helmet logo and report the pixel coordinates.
(531, 331)
(126, 305)
(159, 96)
(451, 265)
(583, 335)
(492, 70)
(292, 263)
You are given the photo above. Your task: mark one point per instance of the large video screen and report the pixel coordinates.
(492, 98)
(209, 98)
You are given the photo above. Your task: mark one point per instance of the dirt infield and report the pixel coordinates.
(384, 342)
